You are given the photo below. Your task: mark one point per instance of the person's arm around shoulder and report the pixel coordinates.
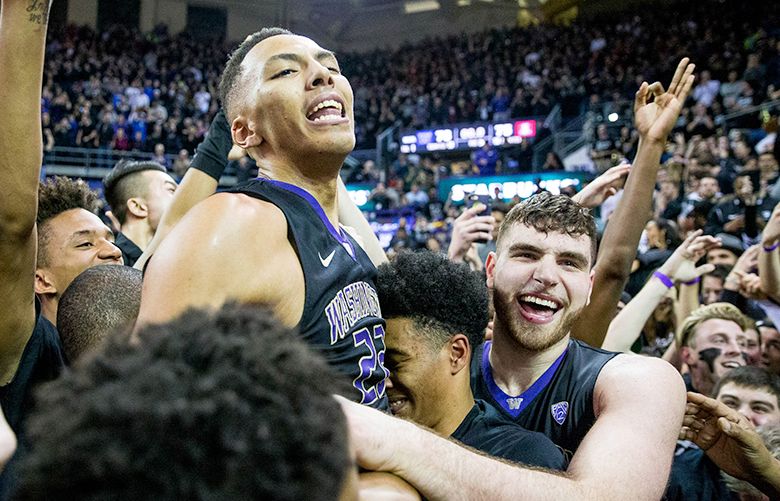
(228, 247)
(22, 40)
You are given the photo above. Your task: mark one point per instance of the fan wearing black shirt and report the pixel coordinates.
(431, 328)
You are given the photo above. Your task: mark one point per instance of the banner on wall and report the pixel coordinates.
(523, 185)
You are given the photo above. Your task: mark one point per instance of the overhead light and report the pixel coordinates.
(415, 6)
(612, 117)
(464, 3)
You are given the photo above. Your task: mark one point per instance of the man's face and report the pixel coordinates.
(716, 347)
(159, 194)
(296, 101)
(76, 240)
(770, 349)
(540, 283)
(499, 217)
(768, 166)
(711, 287)
(708, 187)
(752, 348)
(759, 405)
(721, 256)
(419, 381)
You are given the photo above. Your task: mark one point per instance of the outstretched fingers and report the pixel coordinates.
(641, 96)
(678, 75)
(687, 83)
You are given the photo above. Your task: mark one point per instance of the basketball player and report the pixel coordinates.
(278, 239)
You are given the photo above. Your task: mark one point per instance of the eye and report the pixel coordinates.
(84, 245)
(334, 70)
(761, 409)
(283, 73)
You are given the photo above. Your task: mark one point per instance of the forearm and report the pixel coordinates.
(768, 481)
(687, 301)
(22, 41)
(350, 215)
(627, 326)
(618, 247)
(195, 187)
(769, 268)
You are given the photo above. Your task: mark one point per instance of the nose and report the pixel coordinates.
(320, 76)
(732, 348)
(746, 411)
(546, 271)
(110, 252)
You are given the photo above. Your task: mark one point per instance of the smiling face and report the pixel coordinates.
(540, 283)
(715, 348)
(759, 405)
(295, 102)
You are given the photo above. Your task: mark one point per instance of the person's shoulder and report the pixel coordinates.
(225, 211)
(638, 373)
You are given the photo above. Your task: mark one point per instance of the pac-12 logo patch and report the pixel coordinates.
(560, 411)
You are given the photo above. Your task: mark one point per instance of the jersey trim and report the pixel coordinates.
(517, 404)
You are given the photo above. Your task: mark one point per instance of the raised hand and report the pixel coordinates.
(726, 436)
(467, 229)
(771, 233)
(655, 120)
(603, 187)
(681, 265)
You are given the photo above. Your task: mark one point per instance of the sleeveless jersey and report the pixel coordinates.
(559, 404)
(341, 317)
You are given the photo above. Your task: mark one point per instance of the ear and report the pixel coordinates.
(460, 353)
(43, 282)
(245, 133)
(490, 266)
(591, 279)
(137, 207)
(686, 354)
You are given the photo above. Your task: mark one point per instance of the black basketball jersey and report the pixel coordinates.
(341, 317)
(559, 404)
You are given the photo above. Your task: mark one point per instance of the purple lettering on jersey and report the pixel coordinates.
(515, 404)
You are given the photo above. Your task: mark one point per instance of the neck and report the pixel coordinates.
(701, 384)
(321, 181)
(49, 304)
(458, 404)
(139, 232)
(516, 368)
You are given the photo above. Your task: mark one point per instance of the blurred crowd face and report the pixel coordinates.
(721, 256)
(752, 349)
(159, 195)
(540, 283)
(708, 187)
(770, 349)
(711, 287)
(419, 380)
(759, 405)
(291, 75)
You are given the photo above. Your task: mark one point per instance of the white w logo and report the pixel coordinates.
(514, 403)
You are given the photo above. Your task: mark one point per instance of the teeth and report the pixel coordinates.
(540, 302)
(328, 118)
(328, 103)
(731, 365)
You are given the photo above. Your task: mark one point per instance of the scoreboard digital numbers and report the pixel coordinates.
(467, 136)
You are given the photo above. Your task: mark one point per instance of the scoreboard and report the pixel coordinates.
(467, 136)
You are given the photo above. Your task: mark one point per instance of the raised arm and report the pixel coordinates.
(680, 267)
(769, 257)
(617, 460)
(22, 40)
(654, 121)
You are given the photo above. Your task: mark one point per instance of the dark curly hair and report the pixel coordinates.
(230, 83)
(546, 212)
(124, 183)
(99, 301)
(442, 298)
(55, 196)
(229, 405)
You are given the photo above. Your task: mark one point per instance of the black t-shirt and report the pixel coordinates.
(559, 404)
(42, 360)
(695, 477)
(130, 251)
(486, 430)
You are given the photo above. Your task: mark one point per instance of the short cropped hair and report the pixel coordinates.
(756, 378)
(101, 300)
(724, 311)
(441, 298)
(230, 83)
(124, 182)
(224, 405)
(55, 196)
(546, 212)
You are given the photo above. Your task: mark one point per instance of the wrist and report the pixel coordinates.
(770, 245)
(664, 278)
(695, 281)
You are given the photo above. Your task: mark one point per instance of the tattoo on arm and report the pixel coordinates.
(38, 11)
